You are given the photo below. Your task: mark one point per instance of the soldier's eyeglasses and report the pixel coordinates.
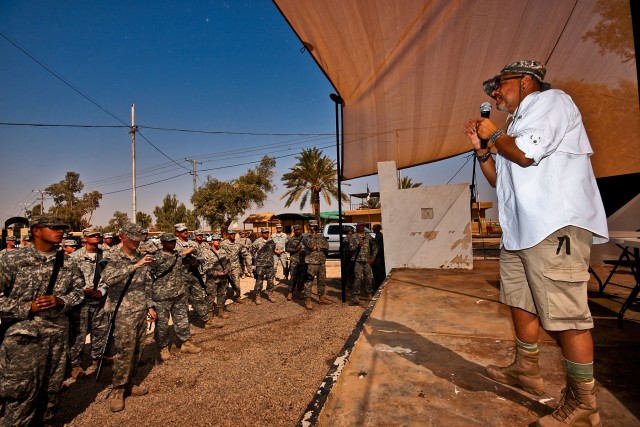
(493, 85)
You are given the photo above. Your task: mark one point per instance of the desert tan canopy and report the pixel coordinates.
(410, 71)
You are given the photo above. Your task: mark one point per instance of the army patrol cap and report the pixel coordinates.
(533, 68)
(264, 230)
(132, 231)
(313, 223)
(296, 227)
(11, 238)
(145, 231)
(278, 225)
(168, 237)
(90, 232)
(230, 231)
(180, 227)
(216, 236)
(42, 221)
(69, 242)
(361, 224)
(108, 235)
(377, 227)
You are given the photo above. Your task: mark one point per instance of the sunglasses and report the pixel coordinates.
(493, 85)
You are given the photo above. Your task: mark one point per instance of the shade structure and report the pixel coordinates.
(410, 71)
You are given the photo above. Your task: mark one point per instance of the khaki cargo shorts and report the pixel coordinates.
(550, 279)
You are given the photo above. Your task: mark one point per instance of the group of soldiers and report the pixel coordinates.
(53, 294)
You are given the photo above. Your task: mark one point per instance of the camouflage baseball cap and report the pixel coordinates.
(313, 223)
(11, 238)
(264, 230)
(278, 225)
(69, 242)
(199, 233)
(533, 68)
(132, 231)
(108, 235)
(216, 236)
(230, 231)
(145, 231)
(42, 221)
(296, 227)
(168, 237)
(180, 226)
(91, 231)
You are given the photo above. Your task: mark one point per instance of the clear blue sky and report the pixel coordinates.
(231, 67)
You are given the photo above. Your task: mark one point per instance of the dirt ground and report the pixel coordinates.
(261, 369)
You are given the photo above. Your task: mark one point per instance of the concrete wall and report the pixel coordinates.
(424, 227)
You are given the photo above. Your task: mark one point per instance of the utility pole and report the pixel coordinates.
(133, 131)
(195, 179)
(41, 200)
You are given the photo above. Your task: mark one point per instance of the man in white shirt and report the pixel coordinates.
(550, 213)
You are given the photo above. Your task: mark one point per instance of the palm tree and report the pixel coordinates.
(312, 176)
(406, 182)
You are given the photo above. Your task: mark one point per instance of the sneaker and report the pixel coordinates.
(523, 372)
(116, 402)
(577, 407)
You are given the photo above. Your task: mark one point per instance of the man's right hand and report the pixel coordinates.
(92, 293)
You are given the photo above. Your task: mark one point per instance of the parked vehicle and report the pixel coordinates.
(330, 232)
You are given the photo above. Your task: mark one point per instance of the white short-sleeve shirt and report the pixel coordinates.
(559, 188)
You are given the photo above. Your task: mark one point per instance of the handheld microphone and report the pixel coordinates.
(485, 112)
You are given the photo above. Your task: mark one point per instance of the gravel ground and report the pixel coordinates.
(261, 369)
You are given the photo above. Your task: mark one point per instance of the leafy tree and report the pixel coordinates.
(614, 33)
(407, 182)
(115, 224)
(30, 213)
(172, 212)
(143, 220)
(373, 203)
(71, 208)
(222, 202)
(313, 176)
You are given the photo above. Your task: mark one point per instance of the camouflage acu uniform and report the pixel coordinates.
(235, 253)
(170, 297)
(363, 248)
(247, 262)
(280, 240)
(315, 249)
(297, 267)
(34, 350)
(149, 247)
(130, 323)
(216, 270)
(262, 251)
(89, 317)
(197, 295)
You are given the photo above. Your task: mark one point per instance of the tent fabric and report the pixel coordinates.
(410, 71)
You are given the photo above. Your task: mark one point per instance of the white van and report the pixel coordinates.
(330, 232)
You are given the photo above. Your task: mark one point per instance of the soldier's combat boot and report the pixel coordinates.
(324, 300)
(354, 300)
(257, 300)
(307, 304)
(270, 297)
(523, 372)
(238, 300)
(190, 348)
(164, 354)
(91, 369)
(137, 390)
(577, 407)
(116, 402)
(213, 323)
(222, 313)
(366, 297)
(289, 296)
(77, 372)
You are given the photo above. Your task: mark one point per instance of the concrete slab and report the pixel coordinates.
(419, 359)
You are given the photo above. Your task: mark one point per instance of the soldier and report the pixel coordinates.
(236, 254)
(90, 317)
(315, 257)
(148, 246)
(127, 264)
(280, 255)
(262, 250)
(378, 267)
(190, 255)
(297, 267)
(38, 286)
(216, 268)
(11, 245)
(107, 242)
(245, 241)
(170, 298)
(203, 245)
(364, 251)
(347, 264)
(69, 246)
